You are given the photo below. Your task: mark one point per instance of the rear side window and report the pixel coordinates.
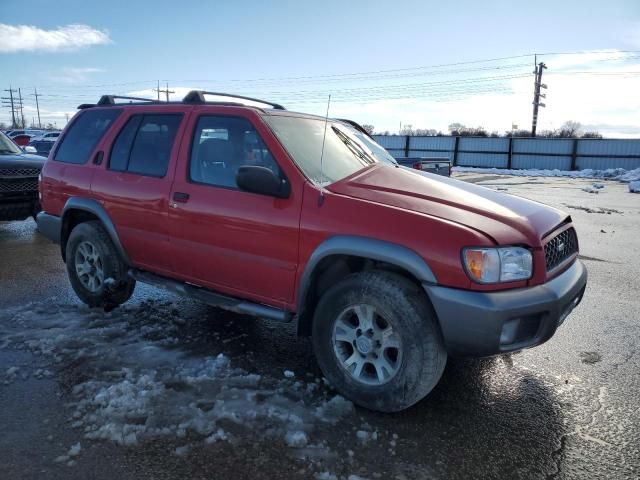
(144, 144)
(84, 134)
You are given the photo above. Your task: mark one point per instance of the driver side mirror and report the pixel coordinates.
(262, 180)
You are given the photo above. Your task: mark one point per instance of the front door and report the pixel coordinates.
(226, 239)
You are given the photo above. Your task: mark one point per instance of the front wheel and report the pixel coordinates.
(96, 272)
(376, 340)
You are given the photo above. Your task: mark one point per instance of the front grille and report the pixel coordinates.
(19, 172)
(560, 247)
(19, 185)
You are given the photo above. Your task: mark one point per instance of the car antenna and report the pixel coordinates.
(324, 136)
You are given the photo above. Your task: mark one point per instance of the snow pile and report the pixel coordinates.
(619, 174)
(138, 385)
(634, 187)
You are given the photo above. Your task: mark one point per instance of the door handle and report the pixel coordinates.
(180, 197)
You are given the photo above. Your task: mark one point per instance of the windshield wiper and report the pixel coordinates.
(6, 150)
(357, 151)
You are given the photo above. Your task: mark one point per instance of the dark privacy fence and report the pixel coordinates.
(540, 153)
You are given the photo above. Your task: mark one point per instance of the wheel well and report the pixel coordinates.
(329, 271)
(71, 219)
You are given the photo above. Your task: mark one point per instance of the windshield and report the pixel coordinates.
(345, 151)
(7, 147)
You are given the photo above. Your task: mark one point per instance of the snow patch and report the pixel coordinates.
(296, 439)
(619, 174)
(139, 384)
(634, 187)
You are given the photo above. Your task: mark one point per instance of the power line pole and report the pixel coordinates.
(20, 104)
(36, 94)
(8, 102)
(166, 91)
(537, 96)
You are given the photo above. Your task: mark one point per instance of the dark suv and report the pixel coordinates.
(18, 181)
(293, 217)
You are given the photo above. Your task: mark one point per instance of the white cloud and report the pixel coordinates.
(75, 75)
(17, 38)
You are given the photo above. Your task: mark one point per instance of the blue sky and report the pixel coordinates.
(263, 48)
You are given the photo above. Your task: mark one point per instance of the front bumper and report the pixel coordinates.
(488, 323)
(18, 206)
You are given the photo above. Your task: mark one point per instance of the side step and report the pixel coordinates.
(211, 298)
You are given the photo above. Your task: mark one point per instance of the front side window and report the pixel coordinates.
(344, 154)
(144, 144)
(84, 134)
(221, 145)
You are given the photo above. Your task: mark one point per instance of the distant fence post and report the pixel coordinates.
(406, 146)
(574, 155)
(455, 152)
(510, 153)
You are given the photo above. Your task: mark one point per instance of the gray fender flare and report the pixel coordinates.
(93, 207)
(365, 247)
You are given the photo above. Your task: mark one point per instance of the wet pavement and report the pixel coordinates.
(567, 409)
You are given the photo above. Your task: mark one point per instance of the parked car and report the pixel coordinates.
(47, 136)
(42, 146)
(437, 165)
(18, 181)
(289, 216)
(21, 140)
(30, 132)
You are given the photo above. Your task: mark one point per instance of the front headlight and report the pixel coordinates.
(496, 265)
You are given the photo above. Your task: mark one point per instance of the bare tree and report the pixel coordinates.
(517, 133)
(591, 135)
(426, 132)
(569, 129)
(407, 130)
(368, 128)
(456, 128)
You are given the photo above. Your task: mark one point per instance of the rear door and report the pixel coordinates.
(134, 182)
(230, 240)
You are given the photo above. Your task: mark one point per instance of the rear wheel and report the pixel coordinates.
(376, 340)
(96, 272)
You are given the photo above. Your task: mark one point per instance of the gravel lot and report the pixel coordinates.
(230, 397)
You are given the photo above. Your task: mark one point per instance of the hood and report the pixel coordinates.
(505, 218)
(25, 160)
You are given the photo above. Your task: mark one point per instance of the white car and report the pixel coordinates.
(46, 136)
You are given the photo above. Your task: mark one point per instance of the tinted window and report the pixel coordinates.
(221, 145)
(119, 158)
(84, 134)
(144, 144)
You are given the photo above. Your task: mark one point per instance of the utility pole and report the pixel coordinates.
(20, 104)
(36, 94)
(8, 102)
(166, 91)
(537, 95)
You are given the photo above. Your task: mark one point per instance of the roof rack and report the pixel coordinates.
(111, 99)
(108, 100)
(197, 96)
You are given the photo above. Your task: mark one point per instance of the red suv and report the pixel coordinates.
(292, 217)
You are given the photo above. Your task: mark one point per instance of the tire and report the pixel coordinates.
(408, 372)
(91, 237)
